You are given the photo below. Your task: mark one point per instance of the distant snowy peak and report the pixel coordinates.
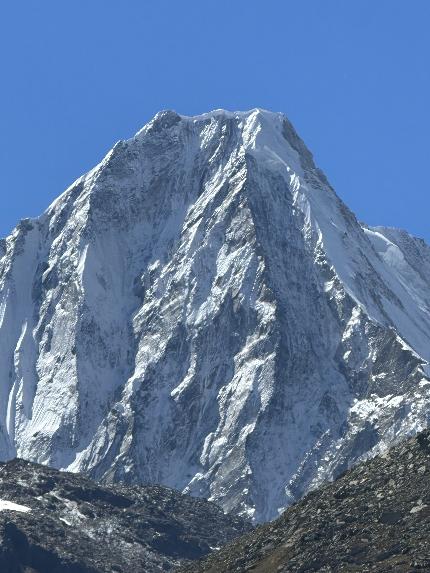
(201, 310)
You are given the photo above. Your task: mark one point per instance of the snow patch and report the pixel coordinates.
(12, 506)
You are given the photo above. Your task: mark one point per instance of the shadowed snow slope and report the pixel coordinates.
(202, 311)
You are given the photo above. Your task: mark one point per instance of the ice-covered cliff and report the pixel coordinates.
(202, 311)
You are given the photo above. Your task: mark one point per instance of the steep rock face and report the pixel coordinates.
(201, 310)
(58, 522)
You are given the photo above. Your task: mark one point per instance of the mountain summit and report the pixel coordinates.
(202, 311)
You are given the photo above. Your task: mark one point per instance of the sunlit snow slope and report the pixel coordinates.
(202, 311)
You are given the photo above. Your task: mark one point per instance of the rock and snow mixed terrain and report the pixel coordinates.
(375, 518)
(69, 524)
(202, 311)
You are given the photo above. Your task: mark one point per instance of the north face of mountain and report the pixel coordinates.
(202, 311)
(57, 522)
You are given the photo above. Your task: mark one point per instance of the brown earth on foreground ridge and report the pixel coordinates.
(376, 517)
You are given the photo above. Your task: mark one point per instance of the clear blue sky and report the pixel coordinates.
(352, 75)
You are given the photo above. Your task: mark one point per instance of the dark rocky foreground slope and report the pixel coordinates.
(376, 517)
(77, 526)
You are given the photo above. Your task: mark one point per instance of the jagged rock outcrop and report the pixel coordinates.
(58, 522)
(376, 517)
(202, 311)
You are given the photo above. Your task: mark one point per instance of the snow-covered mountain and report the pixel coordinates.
(202, 311)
